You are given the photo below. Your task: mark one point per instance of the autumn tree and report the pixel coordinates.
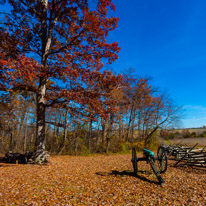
(161, 113)
(59, 45)
(146, 109)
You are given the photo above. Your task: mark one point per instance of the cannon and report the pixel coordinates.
(149, 157)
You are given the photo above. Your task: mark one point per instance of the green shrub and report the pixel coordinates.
(203, 134)
(171, 135)
(187, 136)
(126, 147)
(138, 145)
(193, 134)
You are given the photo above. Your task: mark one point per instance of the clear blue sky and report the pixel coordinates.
(167, 41)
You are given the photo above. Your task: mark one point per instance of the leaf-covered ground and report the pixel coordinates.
(98, 180)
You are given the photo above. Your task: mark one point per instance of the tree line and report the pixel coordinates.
(135, 113)
(54, 91)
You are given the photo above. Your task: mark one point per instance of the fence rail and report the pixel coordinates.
(191, 156)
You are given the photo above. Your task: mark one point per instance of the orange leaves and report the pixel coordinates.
(98, 180)
(103, 4)
(3, 62)
(23, 68)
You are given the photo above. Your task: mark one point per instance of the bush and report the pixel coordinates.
(138, 145)
(126, 147)
(187, 136)
(186, 133)
(193, 134)
(171, 135)
(203, 134)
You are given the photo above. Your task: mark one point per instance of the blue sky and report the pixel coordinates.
(167, 41)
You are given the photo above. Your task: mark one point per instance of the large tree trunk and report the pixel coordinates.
(41, 109)
(40, 156)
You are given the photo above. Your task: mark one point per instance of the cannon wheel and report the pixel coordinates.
(134, 160)
(162, 159)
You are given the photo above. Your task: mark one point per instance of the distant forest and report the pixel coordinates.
(132, 113)
(183, 133)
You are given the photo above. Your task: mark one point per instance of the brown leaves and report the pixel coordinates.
(98, 180)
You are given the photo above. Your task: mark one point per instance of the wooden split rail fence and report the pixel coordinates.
(191, 156)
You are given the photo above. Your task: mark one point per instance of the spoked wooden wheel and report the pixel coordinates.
(134, 160)
(162, 159)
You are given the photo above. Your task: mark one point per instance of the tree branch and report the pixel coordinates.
(64, 47)
(25, 4)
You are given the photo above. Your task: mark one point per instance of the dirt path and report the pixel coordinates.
(98, 180)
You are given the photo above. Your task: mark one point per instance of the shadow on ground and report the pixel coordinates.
(129, 173)
(7, 165)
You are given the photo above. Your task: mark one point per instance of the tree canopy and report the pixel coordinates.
(55, 49)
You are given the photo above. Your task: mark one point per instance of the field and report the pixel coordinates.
(198, 131)
(98, 180)
(190, 141)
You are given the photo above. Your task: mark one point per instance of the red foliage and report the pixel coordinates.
(59, 47)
